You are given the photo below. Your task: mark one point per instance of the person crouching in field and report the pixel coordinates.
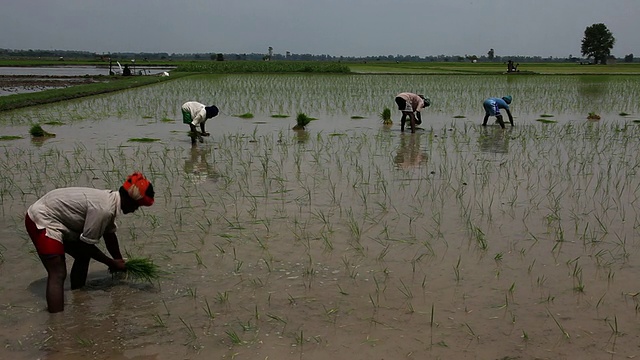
(194, 114)
(410, 104)
(492, 107)
(72, 220)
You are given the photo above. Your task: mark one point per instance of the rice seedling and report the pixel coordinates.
(85, 342)
(546, 121)
(207, 309)
(456, 270)
(615, 332)
(53, 123)
(158, 320)
(142, 269)
(278, 319)
(331, 314)
(370, 341)
(222, 297)
(405, 290)
(564, 332)
(342, 291)
(279, 116)
(191, 333)
(471, 332)
(237, 269)
(192, 292)
(300, 339)
(164, 303)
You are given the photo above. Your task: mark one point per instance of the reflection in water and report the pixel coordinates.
(39, 141)
(494, 140)
(97, 318)
(302, 136)
(196, 166)
(409, 152)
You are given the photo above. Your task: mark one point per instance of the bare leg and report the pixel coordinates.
(194, 134)
(56, 274)
(79, 272)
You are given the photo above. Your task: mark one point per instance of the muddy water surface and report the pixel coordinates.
(350, 240)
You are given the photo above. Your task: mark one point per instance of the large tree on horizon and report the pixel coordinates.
(597, 43)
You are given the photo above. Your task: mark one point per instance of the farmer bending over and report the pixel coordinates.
(492, 107)
(72, 220)
(195, 113)
(410, 104)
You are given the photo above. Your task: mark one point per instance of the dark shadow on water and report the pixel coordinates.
(494, 139)
(96, 281)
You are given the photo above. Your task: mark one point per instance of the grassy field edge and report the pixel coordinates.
(103, 86)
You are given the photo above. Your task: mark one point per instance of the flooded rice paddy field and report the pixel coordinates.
(349, 240)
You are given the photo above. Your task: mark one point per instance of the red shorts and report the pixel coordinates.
(44, 244)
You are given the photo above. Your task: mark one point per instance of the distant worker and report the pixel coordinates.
(195, 113)
(126, 71)
(410, 105)
(492, 107)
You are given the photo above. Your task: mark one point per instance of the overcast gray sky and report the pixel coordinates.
(333, 27)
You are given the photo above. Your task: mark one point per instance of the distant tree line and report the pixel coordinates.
(271, 56)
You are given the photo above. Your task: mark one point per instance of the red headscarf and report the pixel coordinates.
(137, 187)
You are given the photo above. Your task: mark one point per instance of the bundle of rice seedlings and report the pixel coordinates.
(142, 269)
(245, 116)
(302, 120)
(385, 115)
(37, 131)
(593, 116)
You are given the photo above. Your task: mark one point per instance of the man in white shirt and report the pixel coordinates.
(194, 114)
(72, 220)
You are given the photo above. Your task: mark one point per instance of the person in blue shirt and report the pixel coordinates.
(492, 107)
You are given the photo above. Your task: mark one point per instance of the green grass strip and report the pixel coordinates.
(105, 85)
(229, 67)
